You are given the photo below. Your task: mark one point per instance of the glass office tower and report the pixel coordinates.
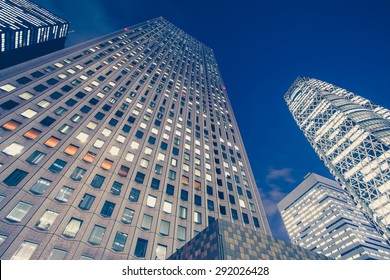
(122, 147)
(352, 136)
(28, 31)
(321, 217)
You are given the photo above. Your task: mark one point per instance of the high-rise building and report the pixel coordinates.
(122, 147)
(321, 217)
(352, 136)
(28, 31)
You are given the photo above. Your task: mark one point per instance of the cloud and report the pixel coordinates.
(277, 174)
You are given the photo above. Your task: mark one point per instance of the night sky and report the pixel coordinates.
(261, 47)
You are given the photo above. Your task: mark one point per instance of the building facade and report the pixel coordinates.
(352, 136)
(28, 31)
(321, 217)
(122, 147)
(223, 240)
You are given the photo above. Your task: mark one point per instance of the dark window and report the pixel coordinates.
(231, 199)
(116, 188)
(119, 114)
(40, 88)
(106, 108)
(86, 202)
(113, 122)
(170, 189)
(97, 181)
(249, 194)
(8, 105)
(134, 195)
(155, 184)
(126, 128)
(209, 190)
(131, 119)
(184, 195)
(52, 82)
(221, 195)
(15, 177)
(210, 205)
(245, 218)
(151, 140)
(139, 134)
(48, 121)
(71, 102)
(239, 190)
(234, 214)
(85, 109)
(80, 95)
(175, 151)
(256, 222)
(198, 200)
(139, 178)
(57, 166)
(107, 209)
(99, 116)
(140, 248)
(123, 171)
(163, 146)
(93, 101)
(66, 88)
(157, 123)
(222, 209)
(78, 174)
(230, 186)
(37, 74)
(23, 80)
(35, 157)
(119, 241)
(56, 95)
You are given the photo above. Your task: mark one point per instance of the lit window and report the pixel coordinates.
(26, 96)
(64, 194)
(106, 132)
(106, 164)
(13, 149)
(127, 216)
(89, 157)
(82, 137)
(123, 171)
(43, 103)
(19, 211)
(78, 174)
(40, 186)
(242, 203)
(167, 207)
(25, 251)
(121, 138)
(186, 167)
(7, 87)
(11, 125)
(144, 163)
(197, 217)
(114, 151)
(151, 201)
(129, 157)
(91, 125)
(134, 145)
(148, 151)
(72, 228)
(185, 180)
(52, 142)
(98, 143)
(71, 150)
(46, 220)
(29, 113)
(183, 212)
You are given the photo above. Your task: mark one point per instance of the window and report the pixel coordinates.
(172, 175)
(19, 211)
(158, 169)
(64, 194)
(40, 186)
(72, 228)
(183, 212)
(29, 113)
(9, 105)
(197, 200)
(140, 248)
(7, 87)
(167, 207)
(123, 171)
(76, 118)
(114, 150)
(47, 121)
(106, 164)
(170, 189)
(181, 233)
(119, 241)
(98, 181)
(256, 222)
(13, 149)
(2, 239)
(164, 228)
(139, 178)
(155, 184)
(82, 137)
(184, 195)
(78, 174)
(25, 251)
(57, 254)
(89, 157)
(35, 157)
(209, 190)
(52, 142)
(46, 220)
(234, 214)
(197, 217)
(91, 125)
(11, 125)
(151, 201)
(116, 188)
(127, 216)
(65, 128)
(146, 222)
(161, 252)
(71, 150)
(60, 111)
(107, 209)
(106, 132)
(210, 205)
(15, 177)
(252, 207)
(144, 163)
(32, 134)
(232, 199)
(242, 203)
(86, 202)
(56, 95)
(96, 235)
(245, 218)
(222, 210)
(134, 195)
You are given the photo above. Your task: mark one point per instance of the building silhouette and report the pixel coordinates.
(122, 147)
(321, 217)
(28, 31)
(352, 136)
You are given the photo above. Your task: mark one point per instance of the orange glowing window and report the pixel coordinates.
(89, 157)
(106, 164)
(52, 142)
(11, 125)
(123, 171)
(32, 134)
(185, 180)
(197, 186)
(71, 150)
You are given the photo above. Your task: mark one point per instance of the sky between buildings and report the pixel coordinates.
(261, 47)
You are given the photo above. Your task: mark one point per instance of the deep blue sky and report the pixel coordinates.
(261, 47)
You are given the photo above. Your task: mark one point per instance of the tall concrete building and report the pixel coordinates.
(28, 31)
(321, 217)
(122, 147)
(352, 136)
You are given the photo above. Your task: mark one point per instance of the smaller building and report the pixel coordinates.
(321, 217)
(28, 31)
(223, 240)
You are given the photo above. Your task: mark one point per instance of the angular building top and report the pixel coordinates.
(321, 217)
(122, 147)
(24, 24)
(352, 136)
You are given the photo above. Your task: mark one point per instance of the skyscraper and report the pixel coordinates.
(321, 217)
(28, 31)
(122, 147)
(352, 136)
